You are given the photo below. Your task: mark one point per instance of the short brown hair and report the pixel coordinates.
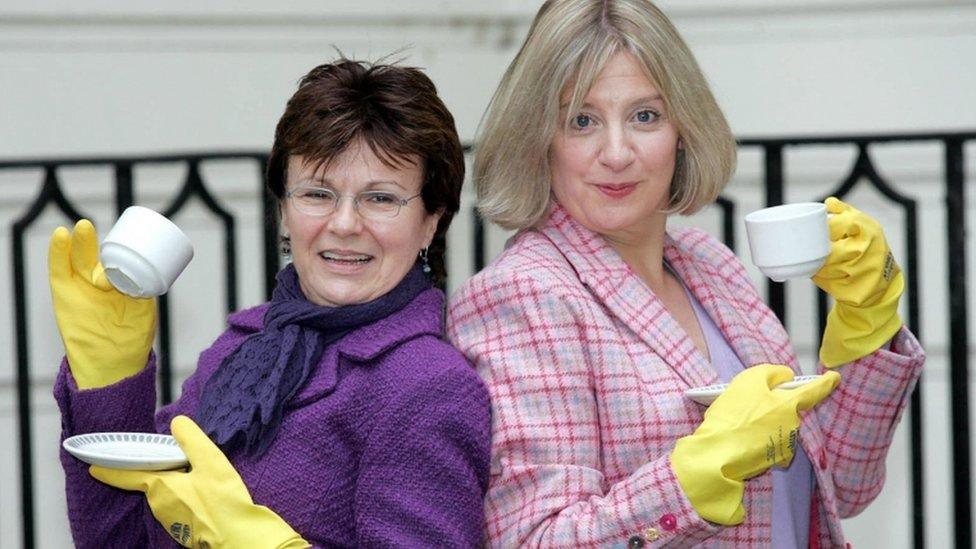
(567, 45)
(395, 110)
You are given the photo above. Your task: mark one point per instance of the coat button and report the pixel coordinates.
(635, 542)
(823, 458)
(651, 534)
(668, 522)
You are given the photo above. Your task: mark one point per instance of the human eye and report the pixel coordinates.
(580, 121)
(380, 203)
(646, 116)
(315, 194)
(379, 198)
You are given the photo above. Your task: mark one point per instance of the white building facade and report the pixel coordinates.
(109, 78)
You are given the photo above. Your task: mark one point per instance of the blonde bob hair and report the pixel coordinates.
(568, 44)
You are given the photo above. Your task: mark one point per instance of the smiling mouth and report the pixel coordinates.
(342, 259)
(616, 191)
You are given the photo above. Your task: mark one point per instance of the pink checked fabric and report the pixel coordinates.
(586, 370)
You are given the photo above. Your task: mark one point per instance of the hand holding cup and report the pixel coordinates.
(866, 283)
(107, 335)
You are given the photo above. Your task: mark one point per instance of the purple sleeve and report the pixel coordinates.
(424, 473)
(101, 515)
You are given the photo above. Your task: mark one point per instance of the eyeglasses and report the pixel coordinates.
(320, 202)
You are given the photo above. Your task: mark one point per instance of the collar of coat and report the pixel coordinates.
(422, 316)
(709, 270)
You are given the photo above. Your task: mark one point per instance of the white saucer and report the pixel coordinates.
(140, 451)
(706, 395)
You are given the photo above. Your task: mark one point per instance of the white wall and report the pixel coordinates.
(113, 77)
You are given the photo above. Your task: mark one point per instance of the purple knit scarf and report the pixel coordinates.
(242, 403)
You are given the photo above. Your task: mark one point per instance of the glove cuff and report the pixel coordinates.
(296, 542)
(88, 374)
(855, 332)
(267, 525)
(713, 496)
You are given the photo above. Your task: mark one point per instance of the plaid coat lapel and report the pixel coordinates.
(752, 331)
(627, 298)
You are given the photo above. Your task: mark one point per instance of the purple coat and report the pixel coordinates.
(386, 445)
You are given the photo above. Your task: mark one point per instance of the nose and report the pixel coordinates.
(345, 219)
(617, 152)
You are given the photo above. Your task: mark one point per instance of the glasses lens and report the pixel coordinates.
(315, 201)
(378, 204)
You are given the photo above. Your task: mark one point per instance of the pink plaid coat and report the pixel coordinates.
(586, 370)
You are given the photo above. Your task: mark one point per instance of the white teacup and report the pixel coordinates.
(789, 241)
(144, 253)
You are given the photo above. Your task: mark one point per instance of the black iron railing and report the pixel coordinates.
(194, 187)
(51, 193)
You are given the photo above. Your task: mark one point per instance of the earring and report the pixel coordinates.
(284, 245)
(423, 260)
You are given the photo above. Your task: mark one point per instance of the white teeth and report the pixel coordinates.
(347, 258)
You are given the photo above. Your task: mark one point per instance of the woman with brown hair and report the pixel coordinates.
(336, 414)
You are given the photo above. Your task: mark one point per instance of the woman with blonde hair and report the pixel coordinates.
(596, 318)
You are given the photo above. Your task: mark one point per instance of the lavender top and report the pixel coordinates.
(793, 486)
(386, 444)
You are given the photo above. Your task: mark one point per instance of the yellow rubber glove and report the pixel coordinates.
(748, 429)
(861, 275)
(107, 335)
(207, 506)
